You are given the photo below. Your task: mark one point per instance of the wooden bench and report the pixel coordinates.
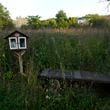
(76, 75)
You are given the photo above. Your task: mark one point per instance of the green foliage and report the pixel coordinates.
(8, 75)
(61, 19)
(5, 20)
(18, 94)
(49, 23)
(72, 22)
(73, 50)
(61, 15)
(34, 22)
(68, 49)
(52, 23)
(97, 21)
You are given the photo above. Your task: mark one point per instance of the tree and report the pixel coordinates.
(44, 23)
(34, 21)
(97, 21)
(5, 19)
(92, 19)
(61, 19)
(52, 23)
(49, 23)
(72, 22)
(61, 15)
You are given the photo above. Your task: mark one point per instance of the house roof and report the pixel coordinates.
(16, 31)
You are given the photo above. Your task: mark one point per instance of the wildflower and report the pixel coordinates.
(47, 97)
(46, 90)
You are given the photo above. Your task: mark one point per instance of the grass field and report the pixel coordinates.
(73, 49)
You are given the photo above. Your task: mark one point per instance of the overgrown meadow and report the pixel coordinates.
(72, 49)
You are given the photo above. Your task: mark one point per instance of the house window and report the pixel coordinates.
(22, 42)
(13, 43)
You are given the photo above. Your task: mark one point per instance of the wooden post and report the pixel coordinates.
(20, 63)
(19, 56)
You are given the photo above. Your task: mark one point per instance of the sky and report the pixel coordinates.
(49, 8)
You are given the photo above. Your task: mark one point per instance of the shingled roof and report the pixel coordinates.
(16, 31)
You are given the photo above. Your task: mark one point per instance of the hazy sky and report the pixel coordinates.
(49, 8)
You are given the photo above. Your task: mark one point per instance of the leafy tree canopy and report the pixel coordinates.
(5, 19)
(61, 15)
(34, 21)
(61, 19)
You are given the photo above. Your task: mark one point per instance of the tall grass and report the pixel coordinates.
(84, 50)
(81, 49)
(77, 49)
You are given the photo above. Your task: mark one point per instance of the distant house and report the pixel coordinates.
(83, 21)
(20, 21)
